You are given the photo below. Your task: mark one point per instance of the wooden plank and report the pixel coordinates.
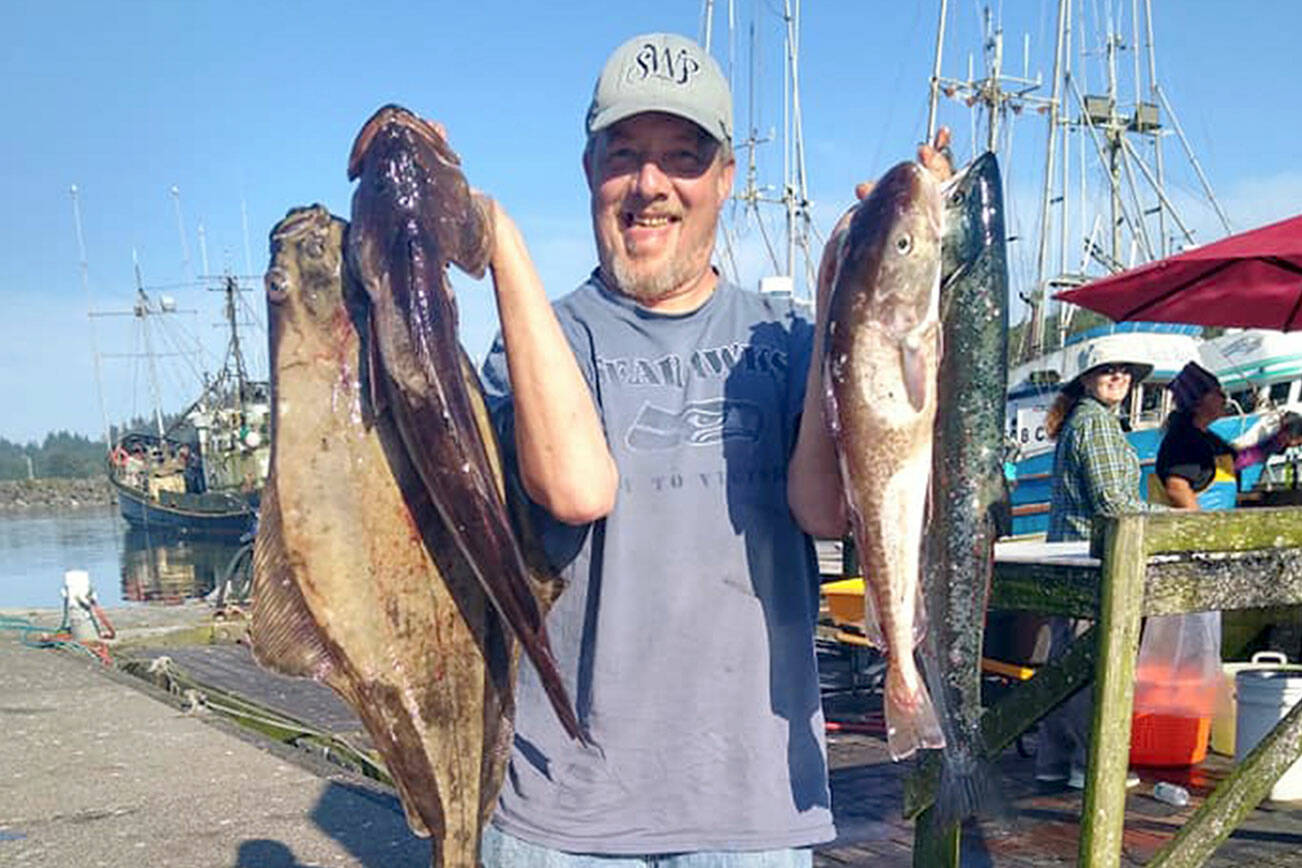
(1224, 530)
(1031, 700)
(1236, 797)
(1121, 595)
(1214, 581)
(933, 846)
(1069, 590)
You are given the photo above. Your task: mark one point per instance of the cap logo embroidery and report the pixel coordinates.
(653, 62)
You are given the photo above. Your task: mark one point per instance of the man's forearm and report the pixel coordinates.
(565, 464)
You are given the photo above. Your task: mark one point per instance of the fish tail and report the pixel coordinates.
(550, 676)
(969, 787)
(911, 721)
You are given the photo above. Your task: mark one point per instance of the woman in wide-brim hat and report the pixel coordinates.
(1095, 472)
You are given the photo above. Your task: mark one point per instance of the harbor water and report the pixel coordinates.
(125, 565)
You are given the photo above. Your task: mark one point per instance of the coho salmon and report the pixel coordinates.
(356, 581)
(881, 353)
(969, 498)
(412, 214)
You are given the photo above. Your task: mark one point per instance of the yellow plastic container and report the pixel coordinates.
(1227, 708)
(845, 602)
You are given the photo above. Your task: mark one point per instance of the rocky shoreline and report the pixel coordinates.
(45, 494)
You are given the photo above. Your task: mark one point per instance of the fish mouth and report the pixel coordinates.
(390, 120)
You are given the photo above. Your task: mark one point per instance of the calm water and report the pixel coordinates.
(125, 566)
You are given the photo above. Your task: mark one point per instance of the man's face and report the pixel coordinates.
(658, 183)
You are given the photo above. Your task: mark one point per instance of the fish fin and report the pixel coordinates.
(919, 616)
(914, 368)
(969, 787)
(911, 721)
(872, 622)
(379, 395)
(285, 637)
(475, 246)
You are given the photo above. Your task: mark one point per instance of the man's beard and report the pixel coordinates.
(649, 288)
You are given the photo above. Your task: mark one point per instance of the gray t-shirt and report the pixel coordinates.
(685, 634)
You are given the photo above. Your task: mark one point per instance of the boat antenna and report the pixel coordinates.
(707, 24)
(84, 269)
(244, 219)
(180, 228)
(203, 247)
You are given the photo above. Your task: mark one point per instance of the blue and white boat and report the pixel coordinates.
(1261, 371)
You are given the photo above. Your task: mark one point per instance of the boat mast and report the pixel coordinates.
(794, 195)
(84, 269)
(230, 286)
(934, 96)
(1036, 301)
(142, 312)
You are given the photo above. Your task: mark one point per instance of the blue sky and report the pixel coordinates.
(250, 108)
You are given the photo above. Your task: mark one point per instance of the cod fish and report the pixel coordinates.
(356, 583)
(969, 497)
(413, 213)
(881, 351)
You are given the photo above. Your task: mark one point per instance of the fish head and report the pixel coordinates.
(409, 175)
(891, 251)
(304, 279)
(393, 124)
(974, 218)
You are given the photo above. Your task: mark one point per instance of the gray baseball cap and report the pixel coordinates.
(662, 72)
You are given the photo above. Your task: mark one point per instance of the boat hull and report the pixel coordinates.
(186, 514)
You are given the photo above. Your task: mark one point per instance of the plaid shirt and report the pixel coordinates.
(1095, 472)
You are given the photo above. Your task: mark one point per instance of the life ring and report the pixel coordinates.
(119, 456)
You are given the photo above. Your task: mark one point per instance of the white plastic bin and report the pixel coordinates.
(1265, 696)
(1226, 711)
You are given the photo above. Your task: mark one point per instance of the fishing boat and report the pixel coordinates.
(202, 474)
(1116, 216)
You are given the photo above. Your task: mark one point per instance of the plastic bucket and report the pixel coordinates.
(1223, 720)
(1167, 739)
(1264, 697)
(1172, 716)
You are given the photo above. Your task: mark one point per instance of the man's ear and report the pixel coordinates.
(726, 178)
(588, 161)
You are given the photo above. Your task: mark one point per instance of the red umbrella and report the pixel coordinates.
(1251, 280)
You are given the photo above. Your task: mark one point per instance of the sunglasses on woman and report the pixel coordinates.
(1108, 370)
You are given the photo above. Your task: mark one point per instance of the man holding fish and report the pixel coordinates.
(669, 429)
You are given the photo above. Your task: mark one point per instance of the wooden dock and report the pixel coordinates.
(867, 788)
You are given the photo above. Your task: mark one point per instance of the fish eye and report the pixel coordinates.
(275, 282)
(904, 244)
(957, 197)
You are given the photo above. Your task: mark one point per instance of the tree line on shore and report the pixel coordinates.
(64, 455)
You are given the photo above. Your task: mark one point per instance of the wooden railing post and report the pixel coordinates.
(1121, 596)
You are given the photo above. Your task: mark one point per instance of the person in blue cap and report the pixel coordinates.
(667, 427)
